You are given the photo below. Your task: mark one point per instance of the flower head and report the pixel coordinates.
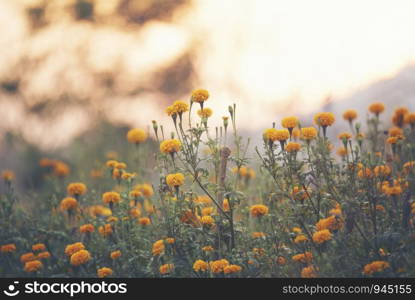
(158, 247)
(259, 210)
(136, 136)
(111, 197)
(76, 189)
(87, 228)
(218, 266)
(324, 119)
(200, 95)
(292, 147)
(200, 266)
(166, 268)
(81, 257)
(180, 107)
(8, 175)
(375, 267)
(377, 108)
(33, 266)
(115, 254)
(170, 146)
(308, 133)
(205, 112)
(350, 115)
(230, 269)
(104, 272)
(322, 236)
(289, 122)
(8, 248)
(38, 247)
(72, 248)
(175, 180)
(68, 203)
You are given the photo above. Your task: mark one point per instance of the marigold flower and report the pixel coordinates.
(33, 266)
(344, 136)
(146, 189)
(341, 151)
(258, 251)
(281, 260)
(111, 163)
(377, 108)
(76, 189)
(27, 257)
(331, 223)
(170, 146)
(200, 95)
(232, 269)
(144, 221)
(166, 268)
(322, 236)
(158, 247)
(395, 131)
(259, 210)
(324, 119)
(392, 140)
(121, 165)
(350, 115)
(409, 166)
(72, 248)
(299, 193)
(289, 122)
(207, 211)
(69, 203)
(382, 171)
(105, 230)
(171, 111)
(205, 112)
(8, 175)
(296, 133)
(60, 169)
(87, 228)
(170, 241)
(225, 205)
(104, 272)
(301, 238)
(308, 133)
(365, 173)
(136, 136)
(270, 134)
(308, 272)
(115, 254)
(375, 267)
(79, 258)
(43, 255)
(207, 248)
(180, 107)
(200, 266)
(282, 135)
(306, 257)
(410, 118)
(175, 180)
(207, 220)
(296, 230)
(217, 266)
(292, 147)
(127, 175)
(8, 248)
(38, 247)
(111, 197)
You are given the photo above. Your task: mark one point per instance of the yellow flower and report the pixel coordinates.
(76, 189)
(324, 119)
(33, 266)
(217, 266)
(87, 228)
(345, 136)
(171, 111)
(292, 147)
(375, 267)
(104, 272)
(135, 212)
(377, 108)
(145, 188)
(166, 268)
(301, 238)
(350, 115)
(322, 236)
(232, 269)
(73, 248)
(225, 205)
(136, 136)
(207, 211)
(180, 107)
(205, 113)
(144, 221)
(105, 230)
(200, 95)
(308, 272)
(38, 247)
(331, 223)
(289, 122)
(303, 257)
(81, 257)
(282, 135)
(121, 165)
(8, 248)
(200, 266)
(270, 134)
(8, 175)
(175, 180)
(259, 210)
(111, 197)
(207, 220)
(296, 230)
(111, 163)
(170, 146)
(43, 255)
(207, 248)
(27, 257)
(382, 171)
(69, 203)
(158, 248)
(127, 175)
(115, 254)
(308, 133)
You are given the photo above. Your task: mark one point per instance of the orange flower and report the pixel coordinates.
(259, 210)
(377, 108)
(350, 115)
(76, 189)
(324, 119)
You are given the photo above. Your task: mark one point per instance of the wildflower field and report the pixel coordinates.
(202, 201)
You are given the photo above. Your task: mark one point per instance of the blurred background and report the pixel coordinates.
(69, 68)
